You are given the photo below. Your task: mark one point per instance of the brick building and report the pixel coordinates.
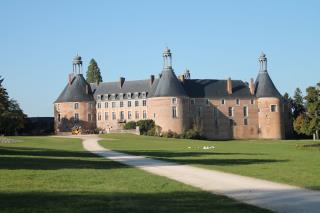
(222, 109)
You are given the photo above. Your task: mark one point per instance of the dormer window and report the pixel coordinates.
(136, 95)
(106, 96)
(121, 96)
(113, 96)
(98, 97)
(129, 95)
(144, 94)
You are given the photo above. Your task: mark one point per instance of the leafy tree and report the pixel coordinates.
(93, 72)
(297, 103)
(12, 118)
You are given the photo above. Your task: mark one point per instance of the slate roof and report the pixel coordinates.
(213, 88)
(169, 85)
(76, 91)
(264, 86)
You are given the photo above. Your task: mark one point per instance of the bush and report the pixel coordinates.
(191, 134)
(145, 126)
(154, 131)
(170, 134)
(130, 125)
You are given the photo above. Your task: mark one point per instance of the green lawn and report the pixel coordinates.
(44, 174)
(279, 161)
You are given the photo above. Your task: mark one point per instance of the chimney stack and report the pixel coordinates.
(251, 86)
(122, 79)
(181, 78)
(229, 86)
(151, 79)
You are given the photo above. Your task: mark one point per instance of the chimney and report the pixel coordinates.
(229, 86)
(151, 79)
(181, 78)
(70, 78)
(251, 86)
(122, 79)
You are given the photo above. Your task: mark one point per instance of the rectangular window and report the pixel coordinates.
(137, 115)
(105, 104)
(89, 117)
(90, 105)
(129, 95)
(76, 117)
(231, 122)
(121, 103)
(136, 103)
(192, 101)
(144, 114)
(121, 115)
(99, 116)
(174, 101)
(245, 121)
(106, 116)
(245, 111)
(76, 105)
(113, 104)
(129, 103)
(230, 111)
(273, 108)
(174, 112)
(154, 115)
(223, 101)
(129, 115)
(59, 117)
(144, 103)
(114, 116)
(252, 101)
(238, 102)
(99, 105)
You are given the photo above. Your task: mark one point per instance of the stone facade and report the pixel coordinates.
(221, 109)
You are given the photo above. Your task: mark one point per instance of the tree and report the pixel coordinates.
(12, 118)
(93, 72)
(297, 103)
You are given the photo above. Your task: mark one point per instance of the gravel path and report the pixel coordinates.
(265, 194)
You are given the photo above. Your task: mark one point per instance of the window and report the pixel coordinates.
(129, 95)
(99, 116)
(154, 115)
(245, 121)
(207, 101)
(113, 104)
(58, 106)
(90, 105)
(89, 117)
(105, 104)
(121, 103)
(174, 101)
(144, 94)
(106, 116)
(252, 101)
(273, 108)
(174, 112)
(76, 105)
(192, 101)
(144, 103)
(76, 117)
(59, 117)
(245, 111)
(136, 103)
(113, 96)
(121, 96)
(121, 115)
(144, 115)
(238, 102)
(136, 95)
(113, 116)
(129, 103)
(137, 115)
(129, 115)
(98, 97)
(99, 105)
(199, 112)
(223, 101)
(230, 111)
(231, 122)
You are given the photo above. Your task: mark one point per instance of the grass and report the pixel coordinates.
(279, 161)
(45, 174)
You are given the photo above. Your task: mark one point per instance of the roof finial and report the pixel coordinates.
(263, 62)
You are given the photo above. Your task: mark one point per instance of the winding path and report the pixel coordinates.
(265, 194)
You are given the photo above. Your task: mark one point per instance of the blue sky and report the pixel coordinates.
(214, 39)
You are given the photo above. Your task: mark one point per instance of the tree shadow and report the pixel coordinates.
(179, 201)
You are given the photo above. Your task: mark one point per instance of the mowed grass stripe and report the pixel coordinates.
(45, 174)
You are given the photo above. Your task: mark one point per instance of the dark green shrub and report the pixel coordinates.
(145, 126)
(191, 134)
(130, 125)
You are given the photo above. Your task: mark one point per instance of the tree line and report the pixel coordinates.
(305, 111)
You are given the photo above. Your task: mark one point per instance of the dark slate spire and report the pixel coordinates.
(264, 86)
(168, 85)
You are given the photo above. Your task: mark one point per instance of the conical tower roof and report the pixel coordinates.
(264, 86)
(77, 90)
(169, 85)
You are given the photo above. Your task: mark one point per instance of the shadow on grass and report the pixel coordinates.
(15, 158)
(121, 202)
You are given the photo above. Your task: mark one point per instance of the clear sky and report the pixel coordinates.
(214, 39)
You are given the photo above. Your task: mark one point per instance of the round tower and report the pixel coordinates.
(269, 102)
(167, 105)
